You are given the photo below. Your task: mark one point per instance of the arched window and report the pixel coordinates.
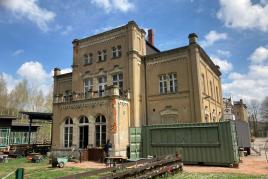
(83, 132)
(68, 132)
(100, 128)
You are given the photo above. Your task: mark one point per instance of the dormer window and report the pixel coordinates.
(116, 51)
(88, 59)
(102, 55)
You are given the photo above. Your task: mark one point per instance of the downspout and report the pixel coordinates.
(145, 86)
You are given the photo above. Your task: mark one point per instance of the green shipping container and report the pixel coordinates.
(199, 143)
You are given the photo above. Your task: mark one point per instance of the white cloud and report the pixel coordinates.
(29, 9)
(212, 37)
(259, 55)
(11, 82)
(66, 70)
(225, 53)
(36, 75)
(18, 52)
(67, 30)
(33, 71)
(252, 84)
(248, 86)
(109, 5)
(103, 29)
(224, 65)
(235, 76)
(244, 14)
(63, 71)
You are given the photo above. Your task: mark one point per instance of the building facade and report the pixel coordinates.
(235, 110)
(241, 110)
(121, 80)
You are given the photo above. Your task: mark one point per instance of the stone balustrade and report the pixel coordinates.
(110, 91)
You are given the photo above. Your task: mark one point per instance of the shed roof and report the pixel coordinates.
(38, 115)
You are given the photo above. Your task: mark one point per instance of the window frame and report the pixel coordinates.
(68, 130)
(172, 82)
(119, 81)
(83, 122)
(102, 85)
(6, 136)
(88, 59)
(89, 86)
(99, 135)
(168, 83)
(102, 55)
(116, 52)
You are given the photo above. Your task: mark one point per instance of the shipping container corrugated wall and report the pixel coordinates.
(199, 143)
(243, 134)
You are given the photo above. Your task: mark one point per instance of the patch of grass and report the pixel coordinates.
(40, 170)
(216, 176)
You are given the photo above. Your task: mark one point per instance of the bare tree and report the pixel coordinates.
(18, 97)
(254, 112)
(49, 100)
(3, 93)
(36, 100)
(264, 109)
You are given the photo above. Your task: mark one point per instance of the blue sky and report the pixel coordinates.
(36, 35)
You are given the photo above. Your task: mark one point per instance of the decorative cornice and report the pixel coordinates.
(102, 40)
(83, 104)
(165, 60)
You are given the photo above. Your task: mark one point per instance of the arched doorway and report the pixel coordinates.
(100, 129)
(83, 132)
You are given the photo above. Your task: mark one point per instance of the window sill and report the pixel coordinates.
(101, 61)
(114, 58)
(87, 64)
(168, 93)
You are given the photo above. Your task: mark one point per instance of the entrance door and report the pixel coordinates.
(83, 136)
(83, 132)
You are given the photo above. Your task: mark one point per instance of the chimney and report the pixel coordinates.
(151, 36)
(192, 38)
(57, 71)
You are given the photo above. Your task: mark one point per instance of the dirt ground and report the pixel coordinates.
(254, 165)
(87, 164)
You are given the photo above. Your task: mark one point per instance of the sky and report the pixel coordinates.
(36, 36)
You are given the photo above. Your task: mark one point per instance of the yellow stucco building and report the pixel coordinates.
(121, 80)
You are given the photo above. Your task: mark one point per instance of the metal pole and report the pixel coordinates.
(29, 137)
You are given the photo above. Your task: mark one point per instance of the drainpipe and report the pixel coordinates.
(145, 86)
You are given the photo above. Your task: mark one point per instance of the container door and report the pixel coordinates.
(234, 142)
(135, 143)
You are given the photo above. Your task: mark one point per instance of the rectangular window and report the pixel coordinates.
(119, 51)
(68, 136)
(118, 80)
(203, 83)
(102, 84)
(99, 56)
(102, 55)
(88, 85)
(173, 82)
(88, 59)
(211, 90)
(4, 136)
(163, 84)
(116, 51)
(217, 94)
(168, 83)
